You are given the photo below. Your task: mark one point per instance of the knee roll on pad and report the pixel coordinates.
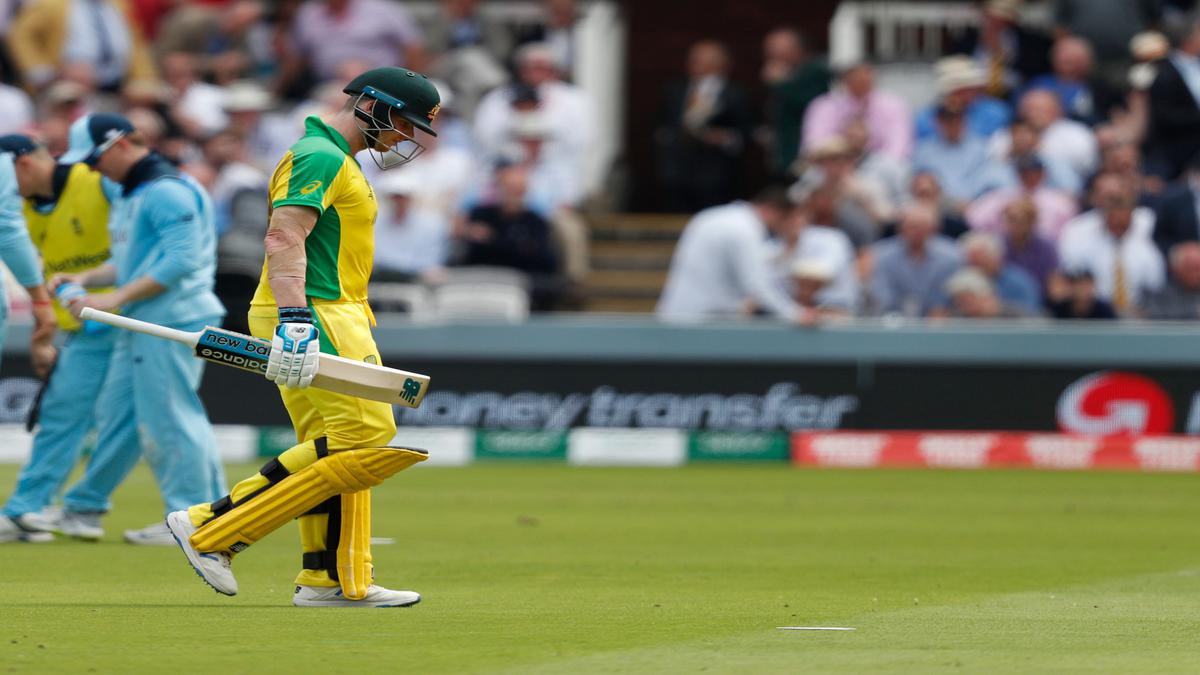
(340, 473)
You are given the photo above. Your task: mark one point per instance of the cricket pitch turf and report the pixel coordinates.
(555, 569)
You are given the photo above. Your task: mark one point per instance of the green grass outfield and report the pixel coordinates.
(555, 569)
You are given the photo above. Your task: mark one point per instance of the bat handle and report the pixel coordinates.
(91, 314)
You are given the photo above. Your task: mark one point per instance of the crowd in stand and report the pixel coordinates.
(1055, 174)
(222, 87)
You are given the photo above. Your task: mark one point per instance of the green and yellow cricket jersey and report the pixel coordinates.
(72, 233)
(319, 172)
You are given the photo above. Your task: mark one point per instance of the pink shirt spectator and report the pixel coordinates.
(374, 32)
(1054, 208)
(889, 122)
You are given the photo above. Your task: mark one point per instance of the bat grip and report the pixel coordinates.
(91, 314)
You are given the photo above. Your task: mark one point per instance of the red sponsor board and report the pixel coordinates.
(984, 449)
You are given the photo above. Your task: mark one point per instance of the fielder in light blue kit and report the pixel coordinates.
(163, 264)
(66, 208)
(17, 252)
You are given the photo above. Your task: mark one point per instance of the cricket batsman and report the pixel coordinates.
(311, 298)
(17, 252)
(66, 208)
(161, 269)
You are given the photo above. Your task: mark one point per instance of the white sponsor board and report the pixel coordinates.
(447, 446)
(847, 449)
(627, 447)
(956, 451)
(1167, 454)
(1051, 451)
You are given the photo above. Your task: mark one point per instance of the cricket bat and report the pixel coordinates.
(334, 373)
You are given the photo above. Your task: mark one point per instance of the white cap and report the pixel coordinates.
(814, 269)
(246, 96)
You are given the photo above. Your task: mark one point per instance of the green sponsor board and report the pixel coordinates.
(731, 446)
(274, 440)
(521, 445)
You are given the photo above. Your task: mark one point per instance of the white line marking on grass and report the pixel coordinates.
(813, 628)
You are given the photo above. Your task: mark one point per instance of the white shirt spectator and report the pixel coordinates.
(830, 247)
(97, 34)
(1087, 244)
(16, 110)
(442, 176)
(376, 32)
(1065, 140)
(418, 243)
(719, 264)
(564, 110)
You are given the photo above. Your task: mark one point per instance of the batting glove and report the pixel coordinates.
(294, 349)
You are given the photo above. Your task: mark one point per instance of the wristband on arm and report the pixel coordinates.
(295, 315)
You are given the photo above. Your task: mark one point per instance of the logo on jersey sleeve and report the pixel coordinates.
(310, 187)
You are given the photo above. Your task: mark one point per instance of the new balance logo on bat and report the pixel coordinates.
(234, 350)
(411, 389)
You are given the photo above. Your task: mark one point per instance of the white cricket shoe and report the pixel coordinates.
(157, 534)
(79, 525)
(20, 529)
(216, 569)
(45, 520)
(377, 596)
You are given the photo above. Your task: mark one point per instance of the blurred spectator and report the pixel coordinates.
(972, 296)
(410, 242)
(720, 263)
(508, 234)
(563, 108)
(839, 197)
(794, 79)
(1007, 52)
(957, 157)
(470, 51)
(1179, 299)
(49, 34)
(925, 189)
(1023, 246)
(16, 110)
(1177, 213)
(1113, 242)
(1124, 158)
(556, 29)
(374, 32)
(1060, 138)
(885, 171)
(198, 105)
(1024, 140)
(442, 177)
(239, 194)
(910, 270)
(704, 124)
(1082, 96)
(888, 120)
(1054, 207)
(1108, 25)
(218, 37)
(1014, 287)
(809, 281)
(247, 107)
(1071, 294)
(1147, 49)
(960, 86)
(1173, 134)
(801, 244)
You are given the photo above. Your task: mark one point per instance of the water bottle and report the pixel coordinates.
(68, 291)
